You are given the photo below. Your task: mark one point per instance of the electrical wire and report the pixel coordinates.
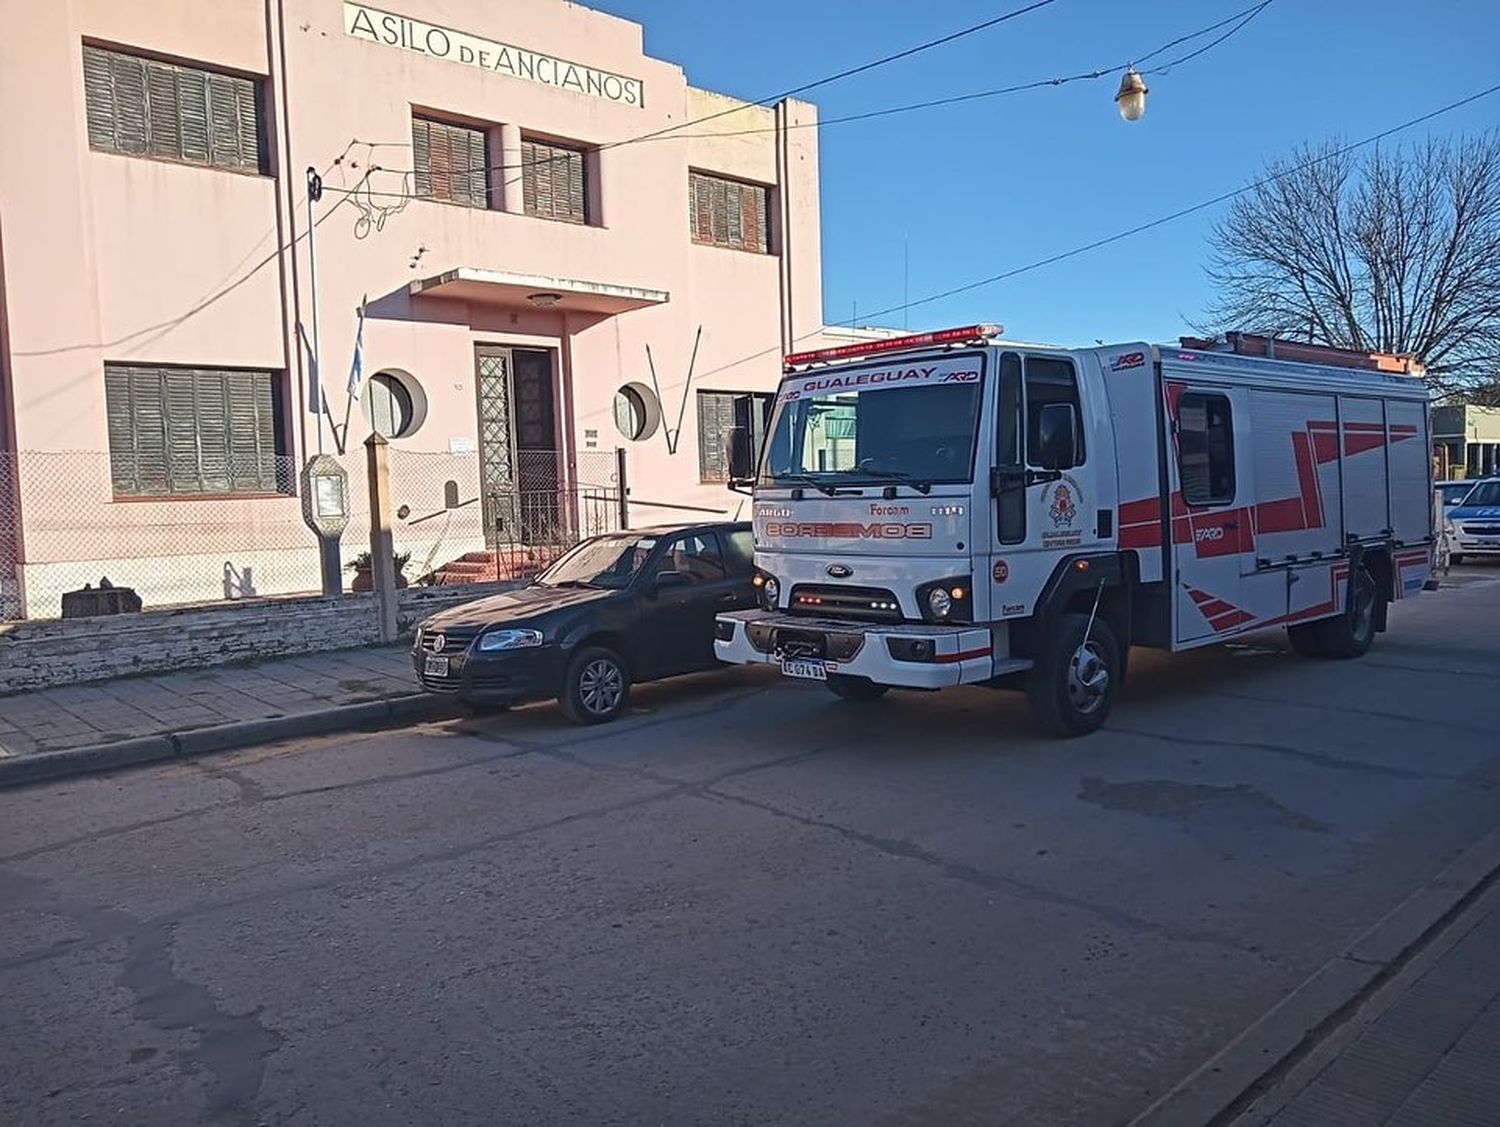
(1240, 18)
(1139, 228)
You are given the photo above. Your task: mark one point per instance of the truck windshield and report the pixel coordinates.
(911, 423)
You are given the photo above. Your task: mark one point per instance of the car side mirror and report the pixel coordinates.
(1057, 437)
(665, 580)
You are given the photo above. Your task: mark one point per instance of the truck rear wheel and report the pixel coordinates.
(1073, 683)
(845, 687)
(1350, 634)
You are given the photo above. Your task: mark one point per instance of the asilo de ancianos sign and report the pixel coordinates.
(422, 38)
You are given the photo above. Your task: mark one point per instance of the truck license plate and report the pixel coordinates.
(807, 670)
(435, 666)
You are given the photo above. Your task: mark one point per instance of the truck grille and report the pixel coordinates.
(869, 604)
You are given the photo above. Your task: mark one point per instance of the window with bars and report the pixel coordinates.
(554, 181)
(149, 108)
(451, 162)
(728, 213)
(715, 421)
(195, 431)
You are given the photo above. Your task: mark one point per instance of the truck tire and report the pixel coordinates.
(595, 687)
(1073, 683)
(1306, 639)
(1351, 634)
(845, 687)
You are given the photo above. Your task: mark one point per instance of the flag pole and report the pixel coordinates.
(356, 371)
(320, 407)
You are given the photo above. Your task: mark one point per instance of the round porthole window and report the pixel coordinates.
(637, 412)
(394, 403)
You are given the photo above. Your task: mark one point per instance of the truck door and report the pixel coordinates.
(1046, 493)
(1213, 497)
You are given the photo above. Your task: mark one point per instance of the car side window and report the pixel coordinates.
(739, 551)
(696, 557)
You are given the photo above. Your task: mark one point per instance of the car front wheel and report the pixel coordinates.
(596, 686)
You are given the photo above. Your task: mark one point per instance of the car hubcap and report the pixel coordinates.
(1088, 678)
(600, 686)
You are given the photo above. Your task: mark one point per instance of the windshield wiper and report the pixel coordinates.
(824, 487)
(902, 476)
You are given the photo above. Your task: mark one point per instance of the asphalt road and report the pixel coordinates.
(746, 903)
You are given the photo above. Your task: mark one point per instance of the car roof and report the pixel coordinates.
(689, 526)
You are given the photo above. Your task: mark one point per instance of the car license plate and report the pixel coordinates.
(807, 670)
(435, 666)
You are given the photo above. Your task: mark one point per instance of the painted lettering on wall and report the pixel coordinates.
(392, 30)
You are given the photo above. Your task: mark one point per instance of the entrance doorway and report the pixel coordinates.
(519, 460)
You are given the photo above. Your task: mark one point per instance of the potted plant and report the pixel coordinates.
(364, 574)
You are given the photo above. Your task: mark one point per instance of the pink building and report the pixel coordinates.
(492, 192)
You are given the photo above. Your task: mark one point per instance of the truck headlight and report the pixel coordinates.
(939, 602)
(494, 640)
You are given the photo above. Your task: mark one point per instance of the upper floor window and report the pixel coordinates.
(175, 112)
(554, 181)
(451, 162)
(728, 213)
(716, 418)
(195, 431)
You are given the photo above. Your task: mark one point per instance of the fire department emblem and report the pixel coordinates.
(1064, 508)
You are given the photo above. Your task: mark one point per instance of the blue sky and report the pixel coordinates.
(983, 187)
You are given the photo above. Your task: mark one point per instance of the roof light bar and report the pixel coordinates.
(966, 334)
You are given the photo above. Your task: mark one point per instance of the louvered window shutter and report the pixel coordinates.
(151, 108)
(450, 162)
(421, 147)
(715, 418)
(727, 213)
(477, 159)
(192, 99)
(99, 97)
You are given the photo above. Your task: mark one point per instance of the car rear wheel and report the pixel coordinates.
(845, 687)
(596, 686)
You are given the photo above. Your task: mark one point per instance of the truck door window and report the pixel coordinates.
(1050, 379)
(1205, 448)
(1011, 503)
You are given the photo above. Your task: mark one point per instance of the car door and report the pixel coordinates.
(688, 585)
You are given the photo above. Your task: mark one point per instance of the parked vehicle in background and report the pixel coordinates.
(1474, 523)
(1452, 492)
(947, 509)
(617, 610)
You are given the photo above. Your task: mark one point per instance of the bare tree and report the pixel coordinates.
(1398, 251)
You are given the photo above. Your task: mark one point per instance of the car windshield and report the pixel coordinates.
(912, 421)
(1486, 493)
(605, 561)
(1455, 491)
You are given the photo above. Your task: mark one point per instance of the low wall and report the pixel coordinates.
(43, 654)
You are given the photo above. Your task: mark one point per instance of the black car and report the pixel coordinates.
(618, 609)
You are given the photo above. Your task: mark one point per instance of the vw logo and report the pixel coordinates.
(840, 571)
(438, 642)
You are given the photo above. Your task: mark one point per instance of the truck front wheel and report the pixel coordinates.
(1073, 683)
(845, 687)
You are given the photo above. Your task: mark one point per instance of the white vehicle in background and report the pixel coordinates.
(947, 508)
(1472, 526)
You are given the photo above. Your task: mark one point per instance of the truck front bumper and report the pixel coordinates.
(908, 655)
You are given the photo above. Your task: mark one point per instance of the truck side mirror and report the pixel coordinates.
(739, 452)
(1057, 437)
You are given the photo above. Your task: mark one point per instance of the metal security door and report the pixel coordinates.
(497, 446)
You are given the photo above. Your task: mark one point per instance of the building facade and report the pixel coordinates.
(560, 247)
(1466, 441)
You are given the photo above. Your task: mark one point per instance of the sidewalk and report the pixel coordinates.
(53, 732)
(1424, 1050)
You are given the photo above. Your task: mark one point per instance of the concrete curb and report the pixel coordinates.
(51, 765)
(1223, 1085)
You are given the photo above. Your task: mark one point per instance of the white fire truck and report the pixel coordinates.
(949, 509)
